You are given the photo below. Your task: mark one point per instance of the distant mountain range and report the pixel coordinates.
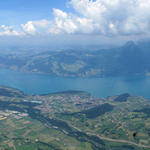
(130, 59)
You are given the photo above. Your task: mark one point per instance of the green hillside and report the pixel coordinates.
(73, 120)
(130, 59)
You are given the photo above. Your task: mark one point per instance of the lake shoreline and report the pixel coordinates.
(98, 87)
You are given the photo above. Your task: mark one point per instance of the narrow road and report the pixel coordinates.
(114, 140)
(121, 141)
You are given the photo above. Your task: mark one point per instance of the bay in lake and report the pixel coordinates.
(100, 87)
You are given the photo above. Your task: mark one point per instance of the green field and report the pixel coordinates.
(73, 121)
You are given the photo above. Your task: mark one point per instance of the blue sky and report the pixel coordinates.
(14, 12)
(77, 21)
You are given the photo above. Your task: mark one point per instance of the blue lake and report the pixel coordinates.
(100, 87)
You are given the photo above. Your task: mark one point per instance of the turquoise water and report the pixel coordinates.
(100, 87)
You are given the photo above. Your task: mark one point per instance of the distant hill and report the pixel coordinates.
(11, 92)
(130, 59)
(122, 98)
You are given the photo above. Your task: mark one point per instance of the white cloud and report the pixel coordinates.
(63, 22)
(36, 27)
(9, 31)
(42, 23)
(104, 17)
(93, 17)
(29, 28)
